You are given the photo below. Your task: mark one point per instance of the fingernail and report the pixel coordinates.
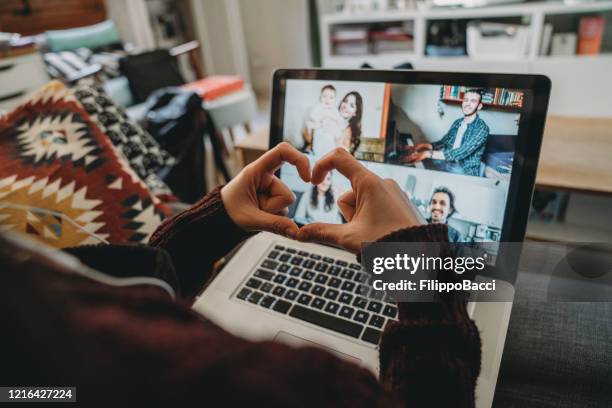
(289, 232)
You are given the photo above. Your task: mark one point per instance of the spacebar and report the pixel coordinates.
(326, 321)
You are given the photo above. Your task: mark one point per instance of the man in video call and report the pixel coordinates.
(464, 143)
(441, 208)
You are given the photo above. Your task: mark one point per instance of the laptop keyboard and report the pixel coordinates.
(324, 291)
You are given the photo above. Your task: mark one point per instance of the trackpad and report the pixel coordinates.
(296, 341)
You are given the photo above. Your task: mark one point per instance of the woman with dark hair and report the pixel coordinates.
(319, 205)
(351, 109)
(351, 112)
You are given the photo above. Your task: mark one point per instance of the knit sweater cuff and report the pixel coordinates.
(196, 238)
(431, 364)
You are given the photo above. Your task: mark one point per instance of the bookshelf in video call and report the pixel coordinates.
(582, 88)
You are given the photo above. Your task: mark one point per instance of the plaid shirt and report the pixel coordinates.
(472, 147)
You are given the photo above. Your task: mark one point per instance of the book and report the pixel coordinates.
(546, 38)
(563, 44)
(590, 33)
(215, 86)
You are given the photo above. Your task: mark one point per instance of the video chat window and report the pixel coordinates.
(450, 148)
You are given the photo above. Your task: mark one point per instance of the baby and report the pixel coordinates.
(324, 122)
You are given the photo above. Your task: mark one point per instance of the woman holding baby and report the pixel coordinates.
(328, 127)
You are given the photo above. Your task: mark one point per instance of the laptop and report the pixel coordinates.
(274, 288)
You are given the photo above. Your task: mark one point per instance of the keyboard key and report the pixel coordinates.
(317, 303)
(346, 312)
(315, 257)
(334, 282)
(377, 294)
(267, 287)
(255, 297)
(375, 307)
(322, 279)
(355, 266)
(341, 263)
(273, 254)
(279, 247)
(291, 294)
(317, 290)
(348, 286)
(254, 283)
(278, 291)
(244, 293)
(328, 259)
(326, 321)
(347, 273)
(321, 267)
(361, 316)
(296, 260)
(390, 311)
(280, 278)
(292, 282)
(390, 298)
(371, 335)
(295, 271)
(290, 250)
(305, 286)
(308, 275)
(377, 321)
(362, 290)
(263, 274)
(283, 268)
(308, 264)
(267, 301)
(303, 253)
(345, 298)
(360, 277)
(281, 306)
(331, 294)
(332, 307)
(334, 270)
(360, 302)
(284, 257)
(304, 299)
(268, 264)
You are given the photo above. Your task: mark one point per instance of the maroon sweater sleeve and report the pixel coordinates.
(431, 357)
(196, 238)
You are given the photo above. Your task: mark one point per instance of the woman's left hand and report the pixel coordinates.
(256, 200)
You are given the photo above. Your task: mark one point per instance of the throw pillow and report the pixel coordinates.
(63, 182)
(140, 149)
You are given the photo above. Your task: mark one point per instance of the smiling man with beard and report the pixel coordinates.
(464, 143)
(441, 208)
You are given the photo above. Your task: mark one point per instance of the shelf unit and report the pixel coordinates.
(582, 76)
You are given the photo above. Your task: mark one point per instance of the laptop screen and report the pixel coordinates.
(449, 147)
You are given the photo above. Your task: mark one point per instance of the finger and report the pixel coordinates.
(347, 203)
(284, 152)
(323, 233)
(276, 197)
(341, 160)
(277, 224)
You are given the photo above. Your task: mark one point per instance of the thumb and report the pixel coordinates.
(320, 232)
(277, 224)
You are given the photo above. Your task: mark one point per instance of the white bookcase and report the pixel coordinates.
(581, 83)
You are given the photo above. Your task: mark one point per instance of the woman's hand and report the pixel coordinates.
(373, 209)
(256, 199)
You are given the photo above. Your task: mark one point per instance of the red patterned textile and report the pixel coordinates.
(63, 182)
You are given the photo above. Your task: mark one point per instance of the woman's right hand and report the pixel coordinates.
(373, 209)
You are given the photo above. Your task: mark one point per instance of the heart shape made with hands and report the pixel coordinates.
(257, 200)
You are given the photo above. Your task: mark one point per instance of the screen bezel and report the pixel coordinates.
(529, 138)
